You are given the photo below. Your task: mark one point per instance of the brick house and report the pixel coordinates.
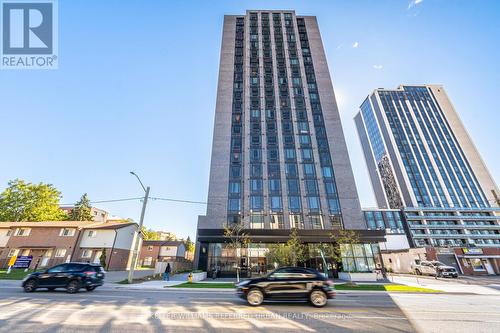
(55, 242)
(173, 252)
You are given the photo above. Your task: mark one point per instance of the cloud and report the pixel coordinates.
(339, 46)
(414, 3)
(355, 45)
(378, 66)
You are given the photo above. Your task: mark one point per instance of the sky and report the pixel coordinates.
(136, 90)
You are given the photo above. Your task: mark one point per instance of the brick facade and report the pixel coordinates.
(48, 246)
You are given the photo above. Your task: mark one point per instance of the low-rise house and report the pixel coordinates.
(156, 251)
(113, 238)
(55, 242)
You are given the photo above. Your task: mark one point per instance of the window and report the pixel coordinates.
(277, 221)
(274, 185)
(256, 202)
(148, 261)
(256, 221)
(358, 257)
(307, 154)
(290, 154)
(9, 232)
(293, 186)
(22, 232)
(476, 264)
(234, 188)
(92, 233)
(60, 253)
(234, 204)
(291, 170)
(275, 203)
(316, 222)
(296, 221)
(59, 268)
(256, 170)
(13, 252)
(305, 139)
(327, 172)
(330, 188)
(313, 203)
(294, 203)
(311, 186)
(309, 170)
(333, 205)
(256, 185)
(67, 232)
(87, 253)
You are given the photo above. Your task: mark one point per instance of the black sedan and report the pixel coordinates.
(288, 283)
(72, 276)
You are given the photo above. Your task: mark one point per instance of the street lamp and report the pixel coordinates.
(135, 250)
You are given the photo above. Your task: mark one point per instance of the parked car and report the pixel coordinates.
(288, 283)
(72, 276)
(435, 268)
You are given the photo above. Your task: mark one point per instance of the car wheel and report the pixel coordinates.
(30, 286)
(255, 297)
(51, 289)
(90, 288)
(318, 298)
(418, 272)
(73, 287)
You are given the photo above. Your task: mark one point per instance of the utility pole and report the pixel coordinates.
(137, 238)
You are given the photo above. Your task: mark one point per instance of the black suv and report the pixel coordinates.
(71, 276)
(288, 283)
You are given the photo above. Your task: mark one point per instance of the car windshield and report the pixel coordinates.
(437, 263)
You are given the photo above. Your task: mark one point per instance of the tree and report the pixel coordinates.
(236, 240)
(189, 245)
(290, 253)
(102, 258)
(278, 254)
(297, 249)
(82, 210)
(149, 234)
(23, 202)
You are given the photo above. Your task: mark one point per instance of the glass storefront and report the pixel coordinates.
(252, 260)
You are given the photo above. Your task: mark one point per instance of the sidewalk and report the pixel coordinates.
(449, 285)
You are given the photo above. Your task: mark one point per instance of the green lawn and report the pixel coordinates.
(387, 287)
(204, 285)
(15, 274)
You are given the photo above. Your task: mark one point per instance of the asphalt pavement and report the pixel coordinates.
(108, 309)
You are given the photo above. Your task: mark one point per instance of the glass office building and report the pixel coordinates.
(418, 152)
(422, 162)
(279, 157)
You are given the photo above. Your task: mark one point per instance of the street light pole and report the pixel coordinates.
(137, 238)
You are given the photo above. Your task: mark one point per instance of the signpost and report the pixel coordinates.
(19, 262)
(23, 262)
(11, 263)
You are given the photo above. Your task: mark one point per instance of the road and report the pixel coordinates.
(115, 310)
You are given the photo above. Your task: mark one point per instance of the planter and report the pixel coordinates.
(360, 277)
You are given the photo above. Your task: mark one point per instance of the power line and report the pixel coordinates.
(179, 200)
(105, 201)
(151, 198)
